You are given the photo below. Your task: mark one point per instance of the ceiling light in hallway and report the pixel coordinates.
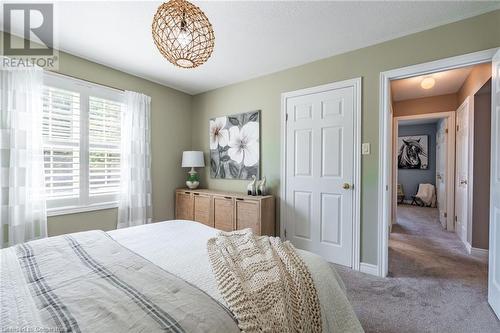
(427, 83)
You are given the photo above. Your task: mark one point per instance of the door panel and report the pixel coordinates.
(319, 160)
(462, 170)
(494, 252)
(303, 152)
(302, 215)
(331, 152)
(441, 169)
(331, 219)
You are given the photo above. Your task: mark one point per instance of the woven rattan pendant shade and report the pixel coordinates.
(183, 34)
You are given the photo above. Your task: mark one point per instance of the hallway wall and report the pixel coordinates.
(481, 175)
(425, 105)
(479, 75)
(410, 178)
(478, 226)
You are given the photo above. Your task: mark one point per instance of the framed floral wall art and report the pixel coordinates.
(235, 146)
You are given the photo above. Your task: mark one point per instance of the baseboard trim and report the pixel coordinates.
(368, 268)
(480, 253)
(467, 246)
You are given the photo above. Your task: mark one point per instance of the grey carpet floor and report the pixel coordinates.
(433, 284)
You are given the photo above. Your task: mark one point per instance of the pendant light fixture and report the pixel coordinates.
(183, 34)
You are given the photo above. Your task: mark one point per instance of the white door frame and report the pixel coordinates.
(450, 155)
(493, 269)
(470, 172)
(385, 136)
(356, 84)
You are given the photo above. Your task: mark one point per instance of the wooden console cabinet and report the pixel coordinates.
(226, 210)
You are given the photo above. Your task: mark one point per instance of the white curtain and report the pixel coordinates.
(22, 196)
(135, 189)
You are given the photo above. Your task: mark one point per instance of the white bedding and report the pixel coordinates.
(88, 282)
(180, 247)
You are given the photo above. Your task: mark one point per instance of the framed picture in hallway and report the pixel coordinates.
(413, 152)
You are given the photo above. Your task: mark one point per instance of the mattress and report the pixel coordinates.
(179, 247)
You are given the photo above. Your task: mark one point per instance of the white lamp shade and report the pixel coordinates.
(193, 159)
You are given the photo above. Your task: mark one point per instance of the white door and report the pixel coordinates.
(319, 172)
(462, 170)
(394, 182)
(494, 260)
(441, 169)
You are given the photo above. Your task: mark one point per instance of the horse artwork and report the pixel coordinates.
(413, 152)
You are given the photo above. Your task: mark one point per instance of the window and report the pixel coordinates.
(81, 133)
(104, 146)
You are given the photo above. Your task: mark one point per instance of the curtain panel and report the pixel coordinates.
(22, 195)
(135, 206)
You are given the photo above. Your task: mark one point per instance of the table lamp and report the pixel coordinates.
(193, 159)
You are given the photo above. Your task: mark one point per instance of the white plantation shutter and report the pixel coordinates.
(81, 141)
(61, 146)
(104, 146)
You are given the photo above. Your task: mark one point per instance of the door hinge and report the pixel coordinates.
(458, 127)
(456, 218)
(446, 130)
(445, 214)
(285, 233)
(286, 117)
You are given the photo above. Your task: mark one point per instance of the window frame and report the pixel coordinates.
(84, 202)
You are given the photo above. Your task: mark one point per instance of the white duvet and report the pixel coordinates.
(180, 247)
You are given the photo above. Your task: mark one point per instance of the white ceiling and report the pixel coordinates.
(447, 82)
(252, 38)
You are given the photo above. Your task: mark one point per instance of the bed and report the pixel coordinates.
(154, 277)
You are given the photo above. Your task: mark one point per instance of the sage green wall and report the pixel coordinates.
(98, 219)
(474, 34)
(170, 135)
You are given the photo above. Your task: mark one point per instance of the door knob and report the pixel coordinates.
(463, 182)
(346, 186)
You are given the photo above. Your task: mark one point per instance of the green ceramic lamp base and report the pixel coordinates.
(193, 180)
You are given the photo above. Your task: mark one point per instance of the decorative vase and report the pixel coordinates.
(262, 189)
(252, 188)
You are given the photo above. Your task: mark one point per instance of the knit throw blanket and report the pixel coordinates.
(265, 283)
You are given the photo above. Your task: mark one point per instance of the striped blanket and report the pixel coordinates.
(87, 282)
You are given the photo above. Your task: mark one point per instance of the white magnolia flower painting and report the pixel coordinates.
(235, 146)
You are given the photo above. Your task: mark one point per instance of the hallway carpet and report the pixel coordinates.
(433, 284)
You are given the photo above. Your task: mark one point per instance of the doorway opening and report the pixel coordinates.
(441, 139)
(419, 229)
